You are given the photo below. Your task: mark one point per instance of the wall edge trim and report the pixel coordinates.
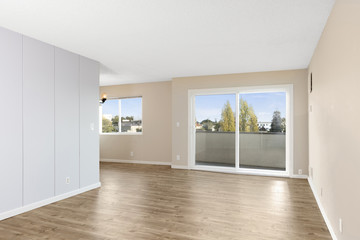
(48, 201)
(299, 176)
(110, 160)
(180, 167)
(322, 209)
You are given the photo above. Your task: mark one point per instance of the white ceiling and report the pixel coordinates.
(144, 41)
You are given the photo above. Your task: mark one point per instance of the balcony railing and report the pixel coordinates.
(257, 150)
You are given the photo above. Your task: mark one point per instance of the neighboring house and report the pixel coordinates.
(198, 126)
(133, 126)
(266, 125)
(136, 129)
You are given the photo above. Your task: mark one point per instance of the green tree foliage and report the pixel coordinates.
(276, 122)
(247, 118)
(207, 124)
(283, 125)
(253, 122)
(128, 118)
(262, 129)
(107, 126)
(227, 122)
(217, 126)
(115, 120)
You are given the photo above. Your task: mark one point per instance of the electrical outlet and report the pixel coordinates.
(340, 225)
(321, 192)
(67, 180)
(310, 108)
(178, 157)
(177, 124)
(300, 171)
(131, 154)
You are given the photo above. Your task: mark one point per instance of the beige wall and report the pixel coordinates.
(333, 124)
(155, 142)
(298, 78)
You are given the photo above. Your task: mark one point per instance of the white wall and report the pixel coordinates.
(154, 144)
(334, 152)
(50, 103)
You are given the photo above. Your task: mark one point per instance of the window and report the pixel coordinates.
(122, 115)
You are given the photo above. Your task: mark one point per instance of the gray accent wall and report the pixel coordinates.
(38, 119)
(89, 123)
(49, 112)
(10, 120)
(67, 115)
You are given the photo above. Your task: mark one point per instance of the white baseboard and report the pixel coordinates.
(134, 161)
(41, 203)
(180, 167)
(299, 176)
(322, 210)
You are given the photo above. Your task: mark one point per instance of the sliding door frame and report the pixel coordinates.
(287, 88)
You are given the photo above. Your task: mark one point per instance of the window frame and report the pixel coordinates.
(121, 133)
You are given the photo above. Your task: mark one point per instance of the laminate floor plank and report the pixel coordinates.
(156, 202)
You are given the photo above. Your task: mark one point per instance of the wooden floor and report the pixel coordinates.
(156, 202)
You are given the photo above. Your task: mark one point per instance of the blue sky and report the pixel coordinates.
(264, 104)
(129, 107)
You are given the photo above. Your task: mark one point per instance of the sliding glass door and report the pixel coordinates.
(215, 130)
(262, 124)
(244, 130)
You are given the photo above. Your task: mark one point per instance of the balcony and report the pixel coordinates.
(258, 150)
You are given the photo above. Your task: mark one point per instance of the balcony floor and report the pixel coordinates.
(219, 164)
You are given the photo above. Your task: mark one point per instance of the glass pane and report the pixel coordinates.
(262, 130)
(110, 116)
(131, 115)
(215, 130)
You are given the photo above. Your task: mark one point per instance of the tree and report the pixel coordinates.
(128, 118)
(115, 120)
(276, 122)
(115, 123)
(107, 126)
(262, 129)
(207, 124)
(247, 118)
(217, 126)
(253, 123)
(227, 122)
(283, 125)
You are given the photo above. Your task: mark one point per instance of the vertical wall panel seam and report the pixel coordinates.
(54, 129)
(22, 119)
(79, 72)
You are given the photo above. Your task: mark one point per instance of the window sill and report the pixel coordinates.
(122, 134)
